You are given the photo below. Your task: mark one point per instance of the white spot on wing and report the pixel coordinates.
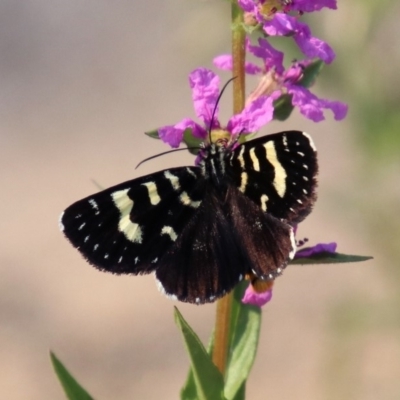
(168, 230)
(94, 205)
(187, 201)
(86, 238)
(280, 173)
(60, 224)
(243, 183)
(190, 171)
(131, 230)
(264, 199)
(82, 226)
(254, 159)
(119, 260)
(153, 193)
(240, 157)
(293, 242)
(310, 140)
(163, 291)
(173, 179)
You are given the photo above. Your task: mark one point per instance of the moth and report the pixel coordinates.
(202, 229)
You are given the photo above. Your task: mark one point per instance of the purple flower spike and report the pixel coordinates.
(256, 299)
(205, 92)
(277, 22)
(275, 79)
(317, 249)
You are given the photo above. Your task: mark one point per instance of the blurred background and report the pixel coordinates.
(80, 81)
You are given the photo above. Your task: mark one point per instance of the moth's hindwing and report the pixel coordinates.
(209, 257)
(278, 172)
(127, 228)
(268, 242)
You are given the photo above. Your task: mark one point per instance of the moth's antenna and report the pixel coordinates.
(165, 152)
(216, 105)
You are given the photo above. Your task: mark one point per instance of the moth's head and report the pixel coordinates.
(220, 137)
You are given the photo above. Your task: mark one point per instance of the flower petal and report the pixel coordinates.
(247, 5)
(281, 25)
(256, 299)
(255, 115)
(285, 25)
(225, 62)
(312, 5)
(317, 249)
(312, 46)
(173, 134)
(273, 59)
(312, 107)
(205, 90)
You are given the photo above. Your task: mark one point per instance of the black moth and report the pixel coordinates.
(202, 229)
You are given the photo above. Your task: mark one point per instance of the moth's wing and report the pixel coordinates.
(208, 259)
(268, 241)
(278, 172)
(127, 228)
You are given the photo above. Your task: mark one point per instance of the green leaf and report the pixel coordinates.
(191, 141)
(188, 391)
(311, 72)
(207, 378)
(72, 388)
(283, 107)
(241, 393)
(244, 333)
(153, 134)
(330, 258)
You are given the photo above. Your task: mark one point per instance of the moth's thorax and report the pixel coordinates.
(213, 163)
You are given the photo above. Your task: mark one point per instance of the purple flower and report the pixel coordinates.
(256, 299)
(312, 5)
(275, 79)
(205, 91)
(276, 22)
(259, 296)
(315, 250)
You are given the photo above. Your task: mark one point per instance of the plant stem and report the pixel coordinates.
(221, 336)
(238, 55)
(224, 305)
